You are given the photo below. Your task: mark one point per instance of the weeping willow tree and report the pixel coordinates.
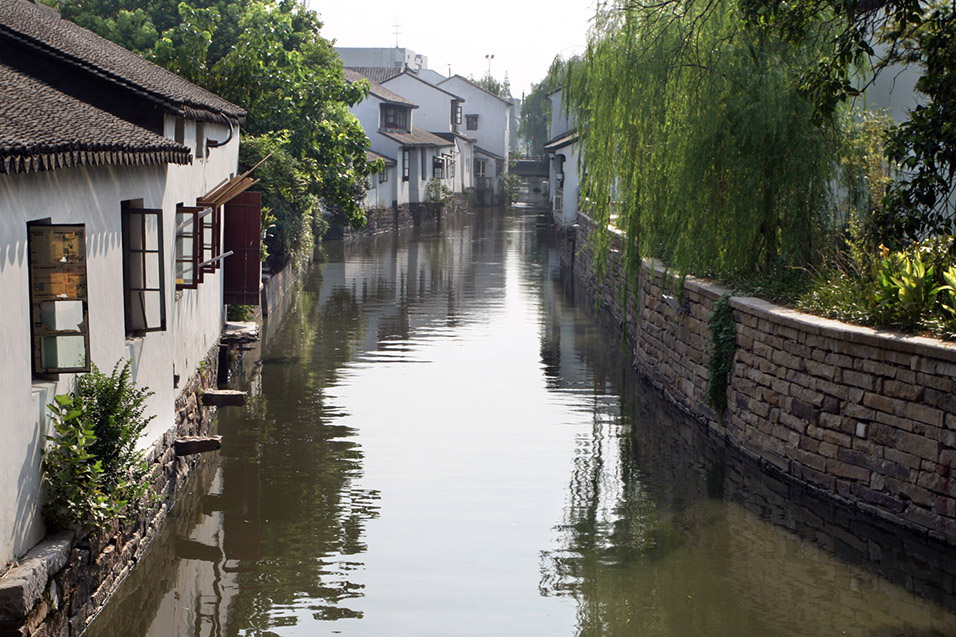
(695, 140)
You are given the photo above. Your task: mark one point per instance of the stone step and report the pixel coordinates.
(223, 398)
(191, 445)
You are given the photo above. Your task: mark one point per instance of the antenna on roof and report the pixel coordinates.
(398, 31)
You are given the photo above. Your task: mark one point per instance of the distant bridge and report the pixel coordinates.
(530, 168)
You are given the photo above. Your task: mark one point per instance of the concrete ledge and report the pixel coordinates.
(23, 585)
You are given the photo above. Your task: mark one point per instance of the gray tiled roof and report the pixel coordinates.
(473, 84)
(562, 140)
(377, 89)
(43, 31)
(371, 155)
(418, 137)
(487, 153)
(44, 129)
(377, 74)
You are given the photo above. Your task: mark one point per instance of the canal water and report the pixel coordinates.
(443, 439)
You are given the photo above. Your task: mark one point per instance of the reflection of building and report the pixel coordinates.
(112, 239)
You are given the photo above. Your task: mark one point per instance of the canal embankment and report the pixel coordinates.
(64, 580)
(398, 217)
(866, 417)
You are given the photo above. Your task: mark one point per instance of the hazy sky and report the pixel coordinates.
(523, 35)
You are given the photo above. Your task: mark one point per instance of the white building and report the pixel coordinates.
(563, 166)
(391, 123)
(487, 118)
(108, 249)
(395, 57)
(440, 113)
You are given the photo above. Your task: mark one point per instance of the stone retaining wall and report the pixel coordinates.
(868, 417)
(62, 582)
(380, 220)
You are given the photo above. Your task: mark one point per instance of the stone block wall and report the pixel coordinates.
(867, 417)
(59, 585)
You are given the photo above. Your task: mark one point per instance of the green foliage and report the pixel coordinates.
(915, 286)
(291, 213)
(240, 312)
(511, 185)
(437, 193)
(920, 33)
(269, 57)
(72, 475)
(912, 290)
(490, 84)
(695, 134)
(91, 466)
(536, 108)
(723, 347)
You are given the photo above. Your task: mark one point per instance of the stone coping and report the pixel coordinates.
(809, 323)
(23, 585)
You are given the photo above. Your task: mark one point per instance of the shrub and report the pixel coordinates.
(92, 468)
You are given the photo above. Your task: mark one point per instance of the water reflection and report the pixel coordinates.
(436, 444)
(665, 532)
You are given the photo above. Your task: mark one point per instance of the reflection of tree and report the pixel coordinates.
(294, 513)
(293, 502)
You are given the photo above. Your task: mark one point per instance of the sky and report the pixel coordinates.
(523, 35)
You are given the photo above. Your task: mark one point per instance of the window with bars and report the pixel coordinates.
(438, 168)
(471, 122)
(59, 313)
(405, 164)
(144, 280)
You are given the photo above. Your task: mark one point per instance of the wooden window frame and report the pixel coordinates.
(195, 254)
(56, 280)
(383, 175)
(480, 167)
(438, 168)
(135, 249)
(394, 117)
(471, 122)
(210, 232)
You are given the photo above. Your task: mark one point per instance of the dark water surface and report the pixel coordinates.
(436, 444)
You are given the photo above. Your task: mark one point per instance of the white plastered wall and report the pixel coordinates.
(93, 196)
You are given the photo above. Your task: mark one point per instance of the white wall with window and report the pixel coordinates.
(129, 297)
(487, 117)
(438, 108)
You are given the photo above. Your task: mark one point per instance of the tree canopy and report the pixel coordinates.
(269, 57)
(732, 120)
(536, 108)
(696, 141)
(866, 38)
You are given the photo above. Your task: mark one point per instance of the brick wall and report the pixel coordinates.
(868, 417)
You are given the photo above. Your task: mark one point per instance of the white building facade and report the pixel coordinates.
(108, 250)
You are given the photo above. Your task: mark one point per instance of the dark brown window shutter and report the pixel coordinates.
(241, 235)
